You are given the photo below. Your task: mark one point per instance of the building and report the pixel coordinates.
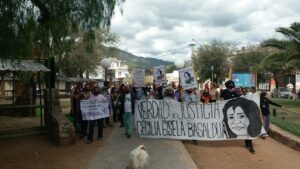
(117, 71)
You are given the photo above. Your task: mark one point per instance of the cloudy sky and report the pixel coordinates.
(164, 28)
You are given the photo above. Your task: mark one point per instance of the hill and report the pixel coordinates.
(134, 61)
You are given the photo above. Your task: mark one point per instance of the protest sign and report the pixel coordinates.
(138, 76)
(231, 119)
(187, 78)
(93, 109)
(159, 74)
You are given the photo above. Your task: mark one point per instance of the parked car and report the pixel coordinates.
(282, 92)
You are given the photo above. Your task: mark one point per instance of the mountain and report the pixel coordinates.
(134, 61)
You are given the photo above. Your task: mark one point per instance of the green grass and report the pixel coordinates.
(287, 118)
(288, 102)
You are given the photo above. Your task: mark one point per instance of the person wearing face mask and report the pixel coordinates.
(96, 96)
(84, 96)
(127, 109)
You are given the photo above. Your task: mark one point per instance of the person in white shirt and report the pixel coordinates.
(127, 107)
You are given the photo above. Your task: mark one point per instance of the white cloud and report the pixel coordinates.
(164, 28)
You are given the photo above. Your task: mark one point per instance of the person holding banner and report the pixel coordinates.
(127, 109)
(190, 98)
(96, 96)
(227, 94)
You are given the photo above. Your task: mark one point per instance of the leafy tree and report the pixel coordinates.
(215, 54)
(25, 22)
(79, 60)
(246, 59)
(286, 59)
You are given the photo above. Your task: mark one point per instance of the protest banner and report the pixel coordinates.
(159, 74)
(93, 109)
(187, 78)
(231, 119)
(138, 76)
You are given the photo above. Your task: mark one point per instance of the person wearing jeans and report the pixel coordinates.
(265, 110)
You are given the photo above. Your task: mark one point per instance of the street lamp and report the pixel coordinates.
(105, 63)
(212, 73)
(196, 42)
(179, 63)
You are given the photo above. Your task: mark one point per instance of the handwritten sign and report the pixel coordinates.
(138, 77)
(233, 119)
(93, 109)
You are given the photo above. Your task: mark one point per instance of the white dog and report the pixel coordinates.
(138, 158)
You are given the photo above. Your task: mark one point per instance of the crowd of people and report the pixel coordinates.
(122, 97)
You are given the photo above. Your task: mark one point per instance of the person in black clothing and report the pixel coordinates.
(265, 110)
(229, 93)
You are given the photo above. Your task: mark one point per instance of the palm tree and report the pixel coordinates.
(286, 59)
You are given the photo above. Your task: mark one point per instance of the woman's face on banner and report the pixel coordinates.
(238, 122)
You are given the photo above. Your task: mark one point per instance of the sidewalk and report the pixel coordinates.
(164, 154)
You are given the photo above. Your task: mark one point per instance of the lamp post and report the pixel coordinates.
(179, 63)
(105, 63)
(212, 73)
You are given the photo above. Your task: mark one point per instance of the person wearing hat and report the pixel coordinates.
(229, 93)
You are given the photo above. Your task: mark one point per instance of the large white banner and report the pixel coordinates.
(233, 119)
(187, 78)
(159, 74)
(93, 109)
(138, 76)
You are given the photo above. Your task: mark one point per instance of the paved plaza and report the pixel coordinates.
(164, 154)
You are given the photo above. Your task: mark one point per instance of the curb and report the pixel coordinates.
(284, 137)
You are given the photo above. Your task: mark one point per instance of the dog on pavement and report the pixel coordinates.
(138, 158)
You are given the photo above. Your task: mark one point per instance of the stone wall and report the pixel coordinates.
(61, 129)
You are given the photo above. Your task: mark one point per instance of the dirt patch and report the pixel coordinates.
(39, 152)
(233, 155)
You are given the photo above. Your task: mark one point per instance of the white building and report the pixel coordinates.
(173, 77)
(118, 69)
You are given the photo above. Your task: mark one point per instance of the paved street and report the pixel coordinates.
(164, 154)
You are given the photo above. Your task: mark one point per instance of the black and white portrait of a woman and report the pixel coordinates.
(241, 118)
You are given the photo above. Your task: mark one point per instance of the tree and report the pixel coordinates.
(79, 60)
(246, 59)
(47, 23)
(286, 59)
(214, 54)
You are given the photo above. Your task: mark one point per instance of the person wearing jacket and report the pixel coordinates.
(127, 109)
(265, 110)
